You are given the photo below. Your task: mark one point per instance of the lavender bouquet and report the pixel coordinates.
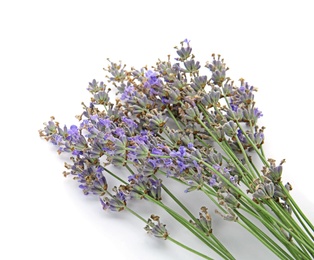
(169, 121)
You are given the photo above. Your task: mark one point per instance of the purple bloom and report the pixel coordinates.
(198, 167)
(241, 136)
(119, 131)
(182, 166)
(233, 179)
(129, 122)
(128, 92)
(233, 105)
(102, 180)
(227, 170)
(73, 134)
(216, 167)
(257, 113)
(152, 77)
(73, 130)
(56, 139)
(105, 122)
(94, 117)
(104, 204)
(181, 153)
(139, 139)
(213, 180)
(84, 123)
(76, 152)
(190, 145)
(153, 83)
(144, 132)
(187, 41)
(246, 88)
(153, 162)
(132, 178)
(121, 196)
(84, 188)
(165, 100)
(155, 189)
(168, 162)
(157, 151)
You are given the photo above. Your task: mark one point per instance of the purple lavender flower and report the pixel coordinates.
(129, 122)
(216, 167)
(84, 123)
(213, 181)
(182, 166)
(168, 162)
(92, 181)
(119, 131)
(241, 136)
(153, 162)
(153, 83)
(77, 152)
(184, 52)
(157, 151)
(105, 122)
(73, 133)
(180, 153)
(190, 146)
(128, 93)
(56, 139)
(152, 78)
(158, 230)
(186, 41)
(257, 113)
(155, 189)
(94, 118)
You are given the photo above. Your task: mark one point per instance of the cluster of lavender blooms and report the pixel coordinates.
(201, 130)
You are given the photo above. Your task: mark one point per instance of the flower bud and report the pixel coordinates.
(270, 189)
(230, 128)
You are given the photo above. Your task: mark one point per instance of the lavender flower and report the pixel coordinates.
(200, 130)
(158, 230)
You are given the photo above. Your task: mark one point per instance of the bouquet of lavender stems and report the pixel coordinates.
(171, 122)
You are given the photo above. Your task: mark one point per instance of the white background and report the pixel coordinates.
(50, 50)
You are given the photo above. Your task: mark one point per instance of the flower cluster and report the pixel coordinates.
(171, 121)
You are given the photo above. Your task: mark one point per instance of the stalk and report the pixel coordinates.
(222, 251)
(169, 238)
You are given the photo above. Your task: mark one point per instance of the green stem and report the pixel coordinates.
(115, 176)
(179, 203)
(262, 150)
(296, 213)
(274, 228)
(188, 248)
(193, 218)
(198, 233)
(278, 234)
(174, 119)
(266, 240)
(170, 238)
(253, 145)
(223, 145)
(210, 196)
(262, 237)
(135, 214)
(295, 205)
(252, 203)
(245, 157)
(270, 225)
(289, 221)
